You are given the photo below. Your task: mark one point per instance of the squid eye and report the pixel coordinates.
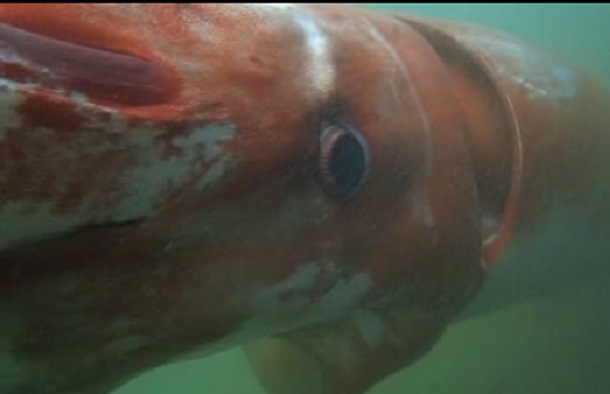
(344, 161)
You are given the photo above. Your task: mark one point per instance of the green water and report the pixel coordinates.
(552, 341)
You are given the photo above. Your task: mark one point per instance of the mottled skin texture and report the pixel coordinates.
(186, 205)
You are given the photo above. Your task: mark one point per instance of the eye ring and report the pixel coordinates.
(344, 161)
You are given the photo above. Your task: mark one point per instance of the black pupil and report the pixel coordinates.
(346, 164)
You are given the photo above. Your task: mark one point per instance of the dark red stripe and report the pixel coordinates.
(100, 74)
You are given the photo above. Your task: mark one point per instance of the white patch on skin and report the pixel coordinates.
(28, 222)
(320, 68)
(79, 97)
(273, 6)
(292, 303)
(116, 124)
(343, 297)
(11, 97)
(9, 55)
(301, 281)
(216, 172)
(209, 138)
(268, 311)
(10, 100)
(295, 295)
(372, 327)
(154, 175)
(147, 180)
(528, 68)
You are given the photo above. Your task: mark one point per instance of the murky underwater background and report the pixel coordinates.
(553, 335)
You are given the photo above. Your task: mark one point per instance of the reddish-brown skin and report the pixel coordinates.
(467, 145)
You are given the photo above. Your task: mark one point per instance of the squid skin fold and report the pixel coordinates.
(326, 185)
